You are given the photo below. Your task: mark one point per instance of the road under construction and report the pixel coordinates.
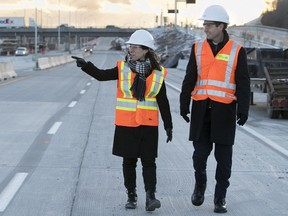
(56, 142)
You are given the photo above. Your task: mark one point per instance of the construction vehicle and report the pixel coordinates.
(9, 46)
(268, 68)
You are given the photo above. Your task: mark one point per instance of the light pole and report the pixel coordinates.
(175, 22)
(187, 2)
(59, 25)
(36, 37)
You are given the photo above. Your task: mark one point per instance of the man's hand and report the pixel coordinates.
(169, 134)
(80, 62)
(241, 119)
(184, 114)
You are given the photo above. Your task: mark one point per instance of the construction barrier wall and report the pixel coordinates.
(52, 61)
(7, 71)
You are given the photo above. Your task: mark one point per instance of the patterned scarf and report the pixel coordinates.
(142, 70)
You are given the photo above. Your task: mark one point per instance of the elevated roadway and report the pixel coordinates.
(65, 32)
(56, 139)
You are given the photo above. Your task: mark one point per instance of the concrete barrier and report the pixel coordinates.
(53, 61)
(7, 71)
(43, 63)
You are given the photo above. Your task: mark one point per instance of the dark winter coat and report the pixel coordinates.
(139, 141)
(223, 116)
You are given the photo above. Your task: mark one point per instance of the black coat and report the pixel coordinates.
(223, 116)
(139, 141)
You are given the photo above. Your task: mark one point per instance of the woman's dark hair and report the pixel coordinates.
(153, 57)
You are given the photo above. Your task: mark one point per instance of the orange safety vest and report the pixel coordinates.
(216, 75)
(129, 111)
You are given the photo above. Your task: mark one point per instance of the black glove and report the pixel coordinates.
(241, 119)
(169, 134)
(80, 62)
(184, 114)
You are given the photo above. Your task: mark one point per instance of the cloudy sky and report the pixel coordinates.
(125, 13)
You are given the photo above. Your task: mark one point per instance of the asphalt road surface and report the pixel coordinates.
(56, 136)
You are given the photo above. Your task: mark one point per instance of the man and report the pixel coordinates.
(217, 79)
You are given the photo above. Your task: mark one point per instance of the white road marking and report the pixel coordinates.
(11, 189)
(72, 104)
(172, 86)
(82, 91)
(266, 140)
(54, 128)
(88, 84)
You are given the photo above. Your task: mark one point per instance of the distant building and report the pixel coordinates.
(12, 22)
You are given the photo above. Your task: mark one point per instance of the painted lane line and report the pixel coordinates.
(72, 104)
(269, 142)
(54, 128)
(11, 189)
(89, 83)
(173, 87)
(82, 91)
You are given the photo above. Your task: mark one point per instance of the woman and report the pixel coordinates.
(140, 91)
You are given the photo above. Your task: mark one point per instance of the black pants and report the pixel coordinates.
(148, 173)
(223, 156)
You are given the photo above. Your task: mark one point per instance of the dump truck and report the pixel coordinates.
(268, 69)
(8, 46)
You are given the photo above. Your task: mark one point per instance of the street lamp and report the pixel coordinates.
(59, 25)
(175, 11)
(36, 37)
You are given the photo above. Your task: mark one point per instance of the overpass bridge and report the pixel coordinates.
(65, 32)
(25, 36)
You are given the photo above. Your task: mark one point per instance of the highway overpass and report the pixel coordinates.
(51, 36)
(65, 32)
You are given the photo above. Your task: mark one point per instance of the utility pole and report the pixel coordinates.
(175, 22)
(36, 37)
(176, 10)
(59, 25)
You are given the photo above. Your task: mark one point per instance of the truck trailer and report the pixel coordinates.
(268, 69)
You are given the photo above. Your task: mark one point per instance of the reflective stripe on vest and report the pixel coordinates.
(126, 104)
(125, 83)
(132, 104)
(158, 78)
(129, 111)
(149, 103)
(218, 90)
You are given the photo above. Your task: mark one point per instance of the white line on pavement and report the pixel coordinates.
(266, 140)
(82, 91)
(72, 104)
(172, 86)
(89, 83)
(54, 128)
(9, 192)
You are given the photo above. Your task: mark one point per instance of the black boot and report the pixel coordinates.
(151, 202)
(220, 205)
(198, 194)
(132, 199)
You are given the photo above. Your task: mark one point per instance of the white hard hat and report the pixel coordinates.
(215, 13)
(142, 37)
